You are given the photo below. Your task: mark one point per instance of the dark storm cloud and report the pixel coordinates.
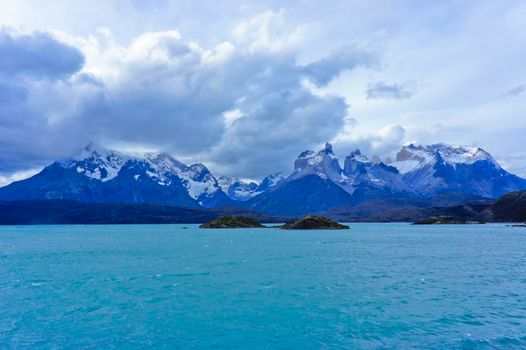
(171, 94)
(34, 70)
(38, 55)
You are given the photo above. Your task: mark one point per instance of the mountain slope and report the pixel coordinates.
(302, 196)
(365, 179)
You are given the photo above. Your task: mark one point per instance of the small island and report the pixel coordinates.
(446, 220)
(234, 221)
(305, 223)
(314, 223)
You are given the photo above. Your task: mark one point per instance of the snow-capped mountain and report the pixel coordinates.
(271, 181)
(359, 176)
(102, 175)
(238, 189)
(243, 190)
(443, 168)
(365, 179)
(318, 181)
(322, 163)
(419, 172)
(200, 184)
(97, 163)
(412, 157)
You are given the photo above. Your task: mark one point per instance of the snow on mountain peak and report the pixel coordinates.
(198, 181)
(163, 163)
(238, 189)
(199, 168)
(457, 154)
(97, 163)
(358, 156)
(413, 157)
(323, 163)
(103, 164)
(306, 154)
(273, 179)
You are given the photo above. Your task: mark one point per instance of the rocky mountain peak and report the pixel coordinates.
(357, 155)
(327, 149)
(323, 163)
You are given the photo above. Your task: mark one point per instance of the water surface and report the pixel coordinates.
(375, 286)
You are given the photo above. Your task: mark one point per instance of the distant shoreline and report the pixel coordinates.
(68, 212)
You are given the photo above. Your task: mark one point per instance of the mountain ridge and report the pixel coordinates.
(317, 183)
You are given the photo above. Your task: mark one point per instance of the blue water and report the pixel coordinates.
(376, 286)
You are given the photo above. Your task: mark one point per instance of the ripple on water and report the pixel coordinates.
(388, 286)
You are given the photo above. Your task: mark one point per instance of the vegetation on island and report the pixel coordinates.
(304, 223)
(312, 222)
(232, 221)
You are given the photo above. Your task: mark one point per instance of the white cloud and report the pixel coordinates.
(16, 176)
(268, 31)
(384, 143)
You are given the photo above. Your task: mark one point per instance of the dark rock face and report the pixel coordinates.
(232, 222)
(445, 220)
(511, 207)
(314, 223)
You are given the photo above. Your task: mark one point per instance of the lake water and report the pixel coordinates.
(375, 286)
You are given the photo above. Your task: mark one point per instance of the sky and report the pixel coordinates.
(244, 87)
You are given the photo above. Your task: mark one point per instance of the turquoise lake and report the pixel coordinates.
(375, 286)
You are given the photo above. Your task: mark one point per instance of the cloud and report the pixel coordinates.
(16, 176)
(268, 31)
(516, 91)
(323, 71)
(381, 90)
(37, 96)
(166, 92)
(384, 143)
(276, 128)
(49, 116)
(38, 55)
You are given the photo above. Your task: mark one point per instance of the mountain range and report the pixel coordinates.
(318, 182)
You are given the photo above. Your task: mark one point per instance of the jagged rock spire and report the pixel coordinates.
(328, 148)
